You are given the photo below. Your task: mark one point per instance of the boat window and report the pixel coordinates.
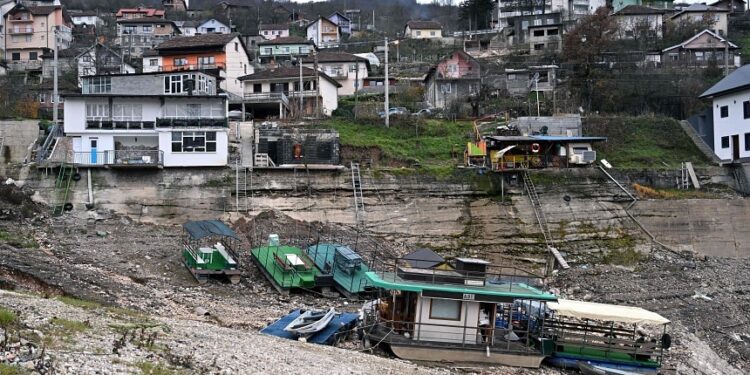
(579, 150)
(445, 309)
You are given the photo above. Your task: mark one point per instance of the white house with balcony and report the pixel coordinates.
(276, 93)
(347, 69)
(148, 121)
(324, 33)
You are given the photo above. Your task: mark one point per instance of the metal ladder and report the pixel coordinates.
(62, 189)
(359, 203)
(241, 188)
(542, 220)
(683, 183)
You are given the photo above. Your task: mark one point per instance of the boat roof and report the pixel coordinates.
(606, 312)
(423, 258)
(509, 290)
(204, 228)
(543, 138)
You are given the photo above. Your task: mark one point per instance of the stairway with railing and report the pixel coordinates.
(63, 184)
(45, 149)
(359, 204)
(542, 221)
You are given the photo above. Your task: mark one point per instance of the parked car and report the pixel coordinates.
(395, 111)
(429, 113)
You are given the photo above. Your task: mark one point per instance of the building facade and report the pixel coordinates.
(136, 35)
(452, 79)
(324, 33)
(101, 60)
(224, 54)
(703, 12)
(703, 49)
(638, 22)
(348, 70)
(212, 26)
(283, 49)
(423, 30)
(178, 121)
(342, 21)
(277, 92)
(30, 32)
(273, 31)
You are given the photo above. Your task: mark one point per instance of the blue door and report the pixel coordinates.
(93, 151)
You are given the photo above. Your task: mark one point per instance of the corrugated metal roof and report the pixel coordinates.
(205, 228)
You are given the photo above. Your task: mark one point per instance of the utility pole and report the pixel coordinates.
(536, 88)
(387, 109)
(301, 85)
(356, 88)
(317, 85)
(726, 52)
(55, 94)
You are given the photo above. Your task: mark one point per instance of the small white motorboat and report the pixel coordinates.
(310, 322)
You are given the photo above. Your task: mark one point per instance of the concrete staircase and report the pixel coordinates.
(705, 149)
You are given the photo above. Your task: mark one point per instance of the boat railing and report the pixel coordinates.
(279, 267)
(508, 339)
(496, 277)
(610, 341)
(321, 252)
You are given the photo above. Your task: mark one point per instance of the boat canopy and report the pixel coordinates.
(606, 312)
(205, 228)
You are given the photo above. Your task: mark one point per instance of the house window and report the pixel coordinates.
(267, 51)
(236, 47)
(698, 56)
(304, 50)
(746, 109)
(16, 56)
(552, 32)
(432, 33)
(153, 62)
(724, 111)
(194, 110)
(193, 141)
(747, 141)
(180, 61)
(207, 60)
(97, 111)
(445, 88)
(445, 309)
(148, 29)
(284, 49)
(176, 84)
(419, 33)
(538, 46)
(32, 55)
(97, 85)
(725, 142)
(674, 56)
(127, 112)
(538, 32)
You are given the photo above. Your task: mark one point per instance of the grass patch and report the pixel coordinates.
(61, 331)
(6, 369)
(17, 239)
(427, 142)
(645, 192)
(148, 368)
(643, 142)
(623, 257)
(75, 302)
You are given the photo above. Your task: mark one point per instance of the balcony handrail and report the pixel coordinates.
(21, 30)
(199, 66)
(213, 122)
(118, 158)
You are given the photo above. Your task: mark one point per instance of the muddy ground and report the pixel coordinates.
(134, 275)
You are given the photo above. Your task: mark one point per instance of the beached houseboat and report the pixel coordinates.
(464, 313)
(346, 266)
(605, 337)
(286, 267)
(210, 249)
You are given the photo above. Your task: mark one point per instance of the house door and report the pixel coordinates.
(736, 147)
(94, 143)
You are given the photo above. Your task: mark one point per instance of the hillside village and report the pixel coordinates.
(348, 186)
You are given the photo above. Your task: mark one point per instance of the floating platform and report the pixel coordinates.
(341, 326)
(346, 266)
(286, 267)
(209, 250)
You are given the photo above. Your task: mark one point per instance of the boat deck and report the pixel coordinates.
(283, 276)
(339, 326)
(349, 284)
(588, 353)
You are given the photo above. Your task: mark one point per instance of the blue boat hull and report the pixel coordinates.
(572, 364)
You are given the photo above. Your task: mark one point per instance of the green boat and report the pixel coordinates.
(344, 264)
(209, 249)
(286, 267)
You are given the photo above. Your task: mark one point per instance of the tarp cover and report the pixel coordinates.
(605, 312)
(205, 228)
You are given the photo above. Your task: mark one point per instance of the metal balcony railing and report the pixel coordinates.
(185, 67)
(21, 30)
(176, 122)
(120, 158)
(119, 124)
